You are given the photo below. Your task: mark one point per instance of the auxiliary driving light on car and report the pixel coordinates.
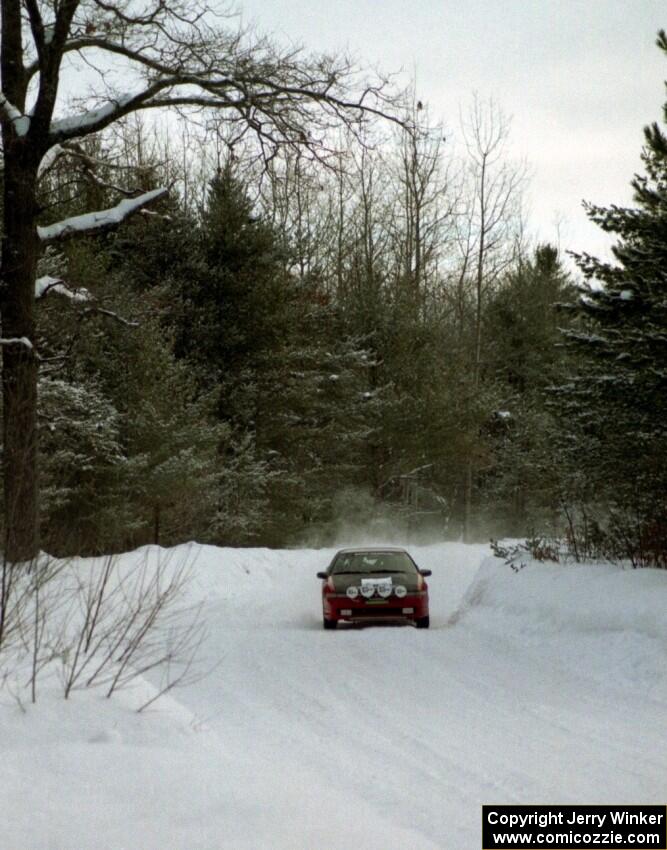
(367, 590)
(400, 591)
(352, 592)
(384, 590)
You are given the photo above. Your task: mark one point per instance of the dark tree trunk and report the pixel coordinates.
(156, 524)
(19, 361)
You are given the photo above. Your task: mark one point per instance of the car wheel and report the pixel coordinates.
(422, 622)
(329, 624)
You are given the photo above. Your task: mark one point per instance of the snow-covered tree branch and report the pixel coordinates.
(96, 222)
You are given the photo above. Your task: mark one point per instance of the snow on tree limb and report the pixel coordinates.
(23, 340)
(50, 158)
(46, 284)
(10, 113)
(85, 122)
(95, 222)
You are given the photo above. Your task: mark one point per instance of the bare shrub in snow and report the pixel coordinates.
(538, 547)
(637, 537)
(617, 537)
(126, 622)
(633, 536)
(543, 548)
(45, 601)
(12, 601)
(103, 623)
(28, 597)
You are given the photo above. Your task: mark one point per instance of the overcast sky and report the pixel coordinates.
(579, 78)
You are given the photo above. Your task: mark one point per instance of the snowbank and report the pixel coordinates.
(573, 597)
(608, 621)
(538, 686)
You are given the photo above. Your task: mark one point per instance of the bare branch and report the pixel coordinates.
(110, 314)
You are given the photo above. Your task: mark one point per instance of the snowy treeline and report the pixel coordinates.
(278, 349)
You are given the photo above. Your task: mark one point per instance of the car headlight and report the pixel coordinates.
(384, 590)
(352, 592)
(367, 590)
(400, 591)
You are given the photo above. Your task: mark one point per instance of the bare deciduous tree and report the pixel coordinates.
(487, 231)
(426, 203)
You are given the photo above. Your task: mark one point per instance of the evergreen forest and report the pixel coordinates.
(292, 347)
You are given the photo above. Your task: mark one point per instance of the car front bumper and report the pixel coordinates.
(338, 607)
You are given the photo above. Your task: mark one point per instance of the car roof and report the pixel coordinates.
(372, 549)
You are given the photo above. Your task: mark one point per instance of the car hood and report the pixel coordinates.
(409, 581)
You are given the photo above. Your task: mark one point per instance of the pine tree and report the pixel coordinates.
(235, 312)
(616, 403)
(213, 285)
(129, 443)
(525, 358)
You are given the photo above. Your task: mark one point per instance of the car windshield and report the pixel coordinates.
(372, 562)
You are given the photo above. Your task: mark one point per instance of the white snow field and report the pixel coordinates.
(547, 685)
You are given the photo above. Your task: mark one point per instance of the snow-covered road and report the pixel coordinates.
(530, 687)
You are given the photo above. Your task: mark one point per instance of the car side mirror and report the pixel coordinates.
(426, 573)
(323, 575)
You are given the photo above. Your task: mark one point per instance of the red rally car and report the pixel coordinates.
(371, 584)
